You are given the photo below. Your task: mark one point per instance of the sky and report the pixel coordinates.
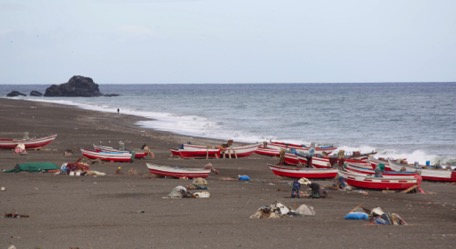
(230, 41)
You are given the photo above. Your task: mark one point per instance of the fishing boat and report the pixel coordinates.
(444, 175)
(267, 152)
(319, 149)
(177, 172)
(297, 159)
(293, 159)
(232, 151)
(295, 172)
(376, 161)
(107, 155)
(138, 154)
(196, 153)
(357, 169)
(30, 143)
(379, 183)
(174, 152)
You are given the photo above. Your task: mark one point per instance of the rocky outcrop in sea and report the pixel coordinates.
(77, 86)
(15, 94)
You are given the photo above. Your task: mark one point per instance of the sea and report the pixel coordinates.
(415, 121)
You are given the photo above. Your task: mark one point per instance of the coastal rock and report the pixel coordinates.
(36, 93)
(77, 86)
(15, 94)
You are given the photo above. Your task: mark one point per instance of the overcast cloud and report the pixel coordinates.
(214, 41)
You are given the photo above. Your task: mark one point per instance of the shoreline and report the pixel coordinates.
(127, 210)
(134, 119)
(418, 152)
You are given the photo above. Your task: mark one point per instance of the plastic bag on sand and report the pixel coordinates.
(305, 210)
(95, 173)
(244, 178)
(200, 183)
(202, 194)
(182, 192)
(282, 209)
(377, 211)
(356, 216)
(177, 192)
(279, 210)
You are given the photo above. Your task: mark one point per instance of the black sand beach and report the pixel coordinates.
(128, 211)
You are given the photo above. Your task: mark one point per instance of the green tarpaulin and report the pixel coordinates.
(33, 167)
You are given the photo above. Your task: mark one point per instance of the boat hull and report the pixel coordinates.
(107, 156)
(203, 153)
(267, 152)
(8, 143)
(302, 148)
(233, 151)
(174, 172)
(102, 148)
(311, 173)
(370, 172)
(440, 175)
(379, 183)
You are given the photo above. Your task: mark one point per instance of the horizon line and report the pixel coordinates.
(207, 83)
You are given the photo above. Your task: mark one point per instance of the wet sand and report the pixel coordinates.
(128, 211)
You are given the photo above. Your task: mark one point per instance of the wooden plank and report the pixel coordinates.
(410, 189)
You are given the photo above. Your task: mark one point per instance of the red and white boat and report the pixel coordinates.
(379, 183)
(376, 161)
(317, 162)
(267, 152)
(232, 151)
(311, 173)
(444, 175)
(295, 160)
(108, 156)
(177, 172)
(327, 149)
(138, 154)
(30, 143)
(370, 172)
(196, 153)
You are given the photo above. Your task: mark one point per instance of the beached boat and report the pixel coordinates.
(350, 167)
(293, 159)
(379, 183)
(30, 143)
(196, 153)
(174, 152)
(138, 154)
(319, 149)
(232, 151)
(294, 172)
(177, 172)
(376, 161)
(444, 175)
(267, 152)
(108, 155)
(317, 162)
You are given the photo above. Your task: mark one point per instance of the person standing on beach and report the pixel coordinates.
(118, 111)
(341, 156)
(310, 154)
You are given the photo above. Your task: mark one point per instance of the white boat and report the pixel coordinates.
(232, 151)
(444, 175)
(177, 172)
